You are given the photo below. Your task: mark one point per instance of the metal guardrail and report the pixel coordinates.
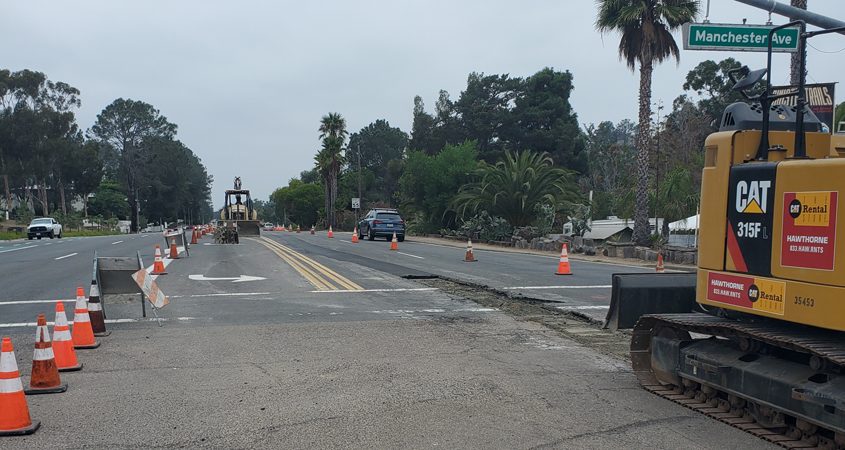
(181, 241)
(113, 275)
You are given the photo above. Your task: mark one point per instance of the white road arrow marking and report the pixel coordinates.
(239, 279)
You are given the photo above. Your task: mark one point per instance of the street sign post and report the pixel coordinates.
(735, 37)
(356, 203)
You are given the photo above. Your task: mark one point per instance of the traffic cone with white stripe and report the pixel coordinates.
(63, 343)
(331, 233)
(95, 311)
(298, 228)
(158, 266)
(14, 412)
(355, 235)
(394, 244)
(44, 378)
(194, 237)
(563, 267)
(469, 257)
(660, 268)
(312, 229)
(82, 333)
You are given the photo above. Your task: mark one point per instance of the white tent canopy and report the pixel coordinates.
(690, 223)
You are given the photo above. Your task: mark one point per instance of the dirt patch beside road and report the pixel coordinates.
(571, 326)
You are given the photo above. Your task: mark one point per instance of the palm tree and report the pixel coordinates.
(329, 159)
(515, 186)
(646, 27)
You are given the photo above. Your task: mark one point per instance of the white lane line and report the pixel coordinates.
(345, 242)
(582, 307)
(337, 291)
(594, 286)
(19, 248)
(412, 256)
(66, 256)
(116, 242)
(25, 302)
(148, 319)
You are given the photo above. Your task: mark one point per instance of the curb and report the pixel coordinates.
(572, 256)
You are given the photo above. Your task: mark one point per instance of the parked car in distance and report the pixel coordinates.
(382, 222)
(44, 227)
(269, 226)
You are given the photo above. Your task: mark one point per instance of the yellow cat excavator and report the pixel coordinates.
(765, 348)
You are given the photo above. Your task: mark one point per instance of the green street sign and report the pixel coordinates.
(734, 37)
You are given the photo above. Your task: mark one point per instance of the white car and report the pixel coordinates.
(44, 227)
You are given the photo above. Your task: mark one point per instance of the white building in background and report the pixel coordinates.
(613, 228)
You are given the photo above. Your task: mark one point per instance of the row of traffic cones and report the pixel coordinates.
(563, 268)
(50, 357)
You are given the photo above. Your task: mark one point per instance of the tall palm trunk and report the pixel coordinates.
(334, 195)
(794, 61)
(641, 227)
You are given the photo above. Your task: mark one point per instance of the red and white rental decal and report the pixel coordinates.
(808, 240)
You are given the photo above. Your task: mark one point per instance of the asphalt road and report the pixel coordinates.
(326, 345)
(586, 291)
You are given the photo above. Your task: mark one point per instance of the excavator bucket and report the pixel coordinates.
(635, 294)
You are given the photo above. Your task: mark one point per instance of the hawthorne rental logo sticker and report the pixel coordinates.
(809, 229)
(755, 293)
(751, 196)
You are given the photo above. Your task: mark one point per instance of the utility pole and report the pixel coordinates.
(358, 211)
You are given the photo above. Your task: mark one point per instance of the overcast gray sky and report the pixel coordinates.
(247, 81)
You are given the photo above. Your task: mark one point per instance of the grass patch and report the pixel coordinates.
(9, 235)
(87, 233)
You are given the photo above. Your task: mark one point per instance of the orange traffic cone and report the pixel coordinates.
(312, 229)
(194, 237)
(14, 412)
(174, 253)
(331, 233)
(158, 266)
(355, 235)
(95, 311)
(82, 333)
(394, 244)
(44, 378)
(469, 257)
(660, 268)
(563, 266)
(63, 343)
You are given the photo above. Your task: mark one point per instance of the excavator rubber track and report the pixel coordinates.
(669, 362)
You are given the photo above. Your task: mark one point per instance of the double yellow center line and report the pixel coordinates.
(323, 278)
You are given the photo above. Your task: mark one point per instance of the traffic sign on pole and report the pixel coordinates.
(736, 37)
(356, 203)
